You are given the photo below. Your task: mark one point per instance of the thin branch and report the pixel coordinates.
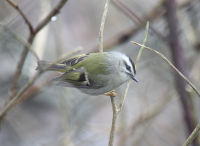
(30, 41)
(12, 3)
(192, 136)
(102, 26)
(116, 112)
(172, 66)
(10, 103)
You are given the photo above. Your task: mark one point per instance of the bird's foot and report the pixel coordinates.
(111, 93)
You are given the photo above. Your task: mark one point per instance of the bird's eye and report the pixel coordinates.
(128, 68)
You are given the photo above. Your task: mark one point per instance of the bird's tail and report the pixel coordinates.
(56, 67)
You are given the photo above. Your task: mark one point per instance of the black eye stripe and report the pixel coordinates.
(128, 68)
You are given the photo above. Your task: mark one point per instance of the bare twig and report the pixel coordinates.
(171, 65)
(192, 136)
(30, 41)
(102, 26)
(12, 3)
(10, 103)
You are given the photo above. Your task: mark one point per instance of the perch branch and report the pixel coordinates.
(115, 110)
(115, 113)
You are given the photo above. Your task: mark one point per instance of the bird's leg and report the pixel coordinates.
(111, 93)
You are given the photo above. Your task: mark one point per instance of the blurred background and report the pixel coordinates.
(160, 110)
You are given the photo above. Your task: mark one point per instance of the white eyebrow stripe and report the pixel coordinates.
(126, 59)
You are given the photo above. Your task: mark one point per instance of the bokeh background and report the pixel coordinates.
(160, 110)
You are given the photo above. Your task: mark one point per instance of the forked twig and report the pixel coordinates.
(171, 65)
(30, 41)
(196, 130)
(115, 110)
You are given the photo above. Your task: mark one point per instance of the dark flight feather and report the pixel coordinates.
(74, 60)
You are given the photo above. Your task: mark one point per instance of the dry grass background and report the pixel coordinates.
(50, 115)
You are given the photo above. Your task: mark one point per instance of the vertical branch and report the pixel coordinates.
(179, 62)
(102, 26)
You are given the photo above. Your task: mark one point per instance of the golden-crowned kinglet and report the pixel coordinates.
(94, 73)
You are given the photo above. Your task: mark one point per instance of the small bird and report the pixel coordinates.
(95, 73)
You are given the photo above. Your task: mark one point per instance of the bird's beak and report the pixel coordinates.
(134, 78)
